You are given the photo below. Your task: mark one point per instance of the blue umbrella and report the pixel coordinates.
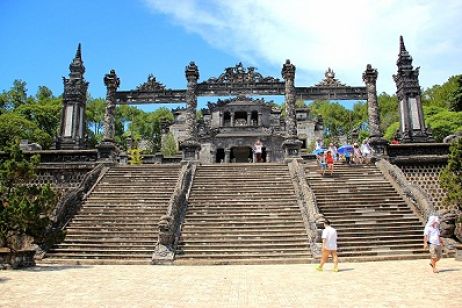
(345, 148)
(318, 151)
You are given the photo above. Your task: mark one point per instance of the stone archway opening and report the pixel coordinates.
(241, 155)
(220, 156)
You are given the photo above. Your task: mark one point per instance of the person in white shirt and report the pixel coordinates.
(329, 246)
(433, 241)
(258, 149)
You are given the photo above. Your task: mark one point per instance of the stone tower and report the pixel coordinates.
(412, 125)
(72, 134)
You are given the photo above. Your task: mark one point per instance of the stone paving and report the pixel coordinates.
(374, 284)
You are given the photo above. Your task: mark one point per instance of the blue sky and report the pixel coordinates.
(139, 37)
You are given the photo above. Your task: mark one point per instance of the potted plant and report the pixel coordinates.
(24, 208)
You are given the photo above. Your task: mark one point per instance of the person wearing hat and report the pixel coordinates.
(433, 241)
(357, 155)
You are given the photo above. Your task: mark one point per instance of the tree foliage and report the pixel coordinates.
(24, 209)
(451, 176)
(169, 146)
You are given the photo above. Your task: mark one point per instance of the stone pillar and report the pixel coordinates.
(227, 155)
(190, 147)
(259, 120)
(107, 149)
(220, 124)
(288, 73)
(232, 119)
(291, 145)
(72, 132)
(376, 140)
(249, 118)
(412, 124)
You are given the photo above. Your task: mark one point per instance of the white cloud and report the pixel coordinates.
(344, 35)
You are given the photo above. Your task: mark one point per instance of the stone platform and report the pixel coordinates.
(369, 284)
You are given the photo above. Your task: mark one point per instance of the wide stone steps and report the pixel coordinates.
(242, 214)
(119, 220)
(372, 220)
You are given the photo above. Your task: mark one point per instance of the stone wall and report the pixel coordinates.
(426, 176)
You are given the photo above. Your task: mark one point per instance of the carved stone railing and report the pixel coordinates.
(170, 223)
(70, 203)
(412, 153)
(414, 195)
(308, 206)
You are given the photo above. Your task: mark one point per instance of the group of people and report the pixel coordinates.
(356, 155)
(432, 241)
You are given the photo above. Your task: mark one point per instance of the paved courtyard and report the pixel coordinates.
(375, 284)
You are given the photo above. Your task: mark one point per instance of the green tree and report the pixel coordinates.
(95, 116)
(24, 209)
(338, 120)
(442, 122)
(15, 126)
(388, 110)
(451, 176)
(169, 146)
(456, 99)
(441, 95)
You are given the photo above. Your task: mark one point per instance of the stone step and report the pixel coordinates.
(99, 261)
(114, 217)
(219, 231)
(231, 255)
(347, 232)
(239, 250)
(242, 207)
(245, 202)
(371, 242)
(246, 241)
(183, 260)
(226, 245)
(186, 236)
(242, 188)
(96, 255)
(382, 252)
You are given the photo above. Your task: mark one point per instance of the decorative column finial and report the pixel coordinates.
(412, 123)
(72, 131)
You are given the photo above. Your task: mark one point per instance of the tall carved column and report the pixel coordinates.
(291, 145)
(190, 147)
(412, 124)
(112, 82)
(376, 140)
(288, 73)
(106, 149)
(72, 131)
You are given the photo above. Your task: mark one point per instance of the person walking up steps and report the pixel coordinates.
(329, 246)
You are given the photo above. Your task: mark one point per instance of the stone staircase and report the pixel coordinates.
(372, 220)
(242, 214)
(118, 222)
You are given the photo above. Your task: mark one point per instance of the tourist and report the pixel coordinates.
(329, 246)
(330, 162)
(333, 150)
(347, 156)
(433, 241)
(357, 155)
(319, 144)
(366, 150)
(258, 150)
(322, 162)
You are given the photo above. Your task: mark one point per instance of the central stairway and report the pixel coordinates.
(372, 220)
(118, 224)
(243, 214)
